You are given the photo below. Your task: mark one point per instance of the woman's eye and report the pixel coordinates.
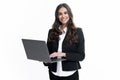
(65, 12)
(62, 13)
(59, 13)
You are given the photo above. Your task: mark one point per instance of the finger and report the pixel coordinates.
(53, 55)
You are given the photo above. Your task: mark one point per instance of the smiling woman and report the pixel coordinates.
(65, 40)
(63, 16)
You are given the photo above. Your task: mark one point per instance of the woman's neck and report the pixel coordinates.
(62, 27)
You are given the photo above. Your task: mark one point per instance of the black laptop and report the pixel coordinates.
(37, 50)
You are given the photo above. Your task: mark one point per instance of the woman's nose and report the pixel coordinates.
(63, 15)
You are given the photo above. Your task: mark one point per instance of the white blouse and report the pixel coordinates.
(59, 71)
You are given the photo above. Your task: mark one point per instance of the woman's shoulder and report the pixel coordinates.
(79, 29)
(50, 30)
(80, 33)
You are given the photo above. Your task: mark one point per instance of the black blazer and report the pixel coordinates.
(74, 53)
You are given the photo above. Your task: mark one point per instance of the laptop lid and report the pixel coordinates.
(36, 50)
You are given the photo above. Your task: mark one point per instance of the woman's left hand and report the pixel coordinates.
(57, 54)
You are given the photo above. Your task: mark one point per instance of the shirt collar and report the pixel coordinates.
(65, 29)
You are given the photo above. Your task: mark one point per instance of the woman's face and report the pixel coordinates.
(63, 15)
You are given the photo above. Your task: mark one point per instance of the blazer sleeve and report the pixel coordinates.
(79, 53)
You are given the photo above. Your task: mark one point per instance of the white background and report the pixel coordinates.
(99, 19)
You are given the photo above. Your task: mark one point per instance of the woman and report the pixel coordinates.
(65, 41)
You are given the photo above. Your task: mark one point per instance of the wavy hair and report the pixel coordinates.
(71, 29)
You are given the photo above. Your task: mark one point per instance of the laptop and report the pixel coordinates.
(37, 50)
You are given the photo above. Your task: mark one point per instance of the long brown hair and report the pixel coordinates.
(71, 29)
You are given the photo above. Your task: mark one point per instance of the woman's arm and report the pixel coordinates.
(79, 55)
